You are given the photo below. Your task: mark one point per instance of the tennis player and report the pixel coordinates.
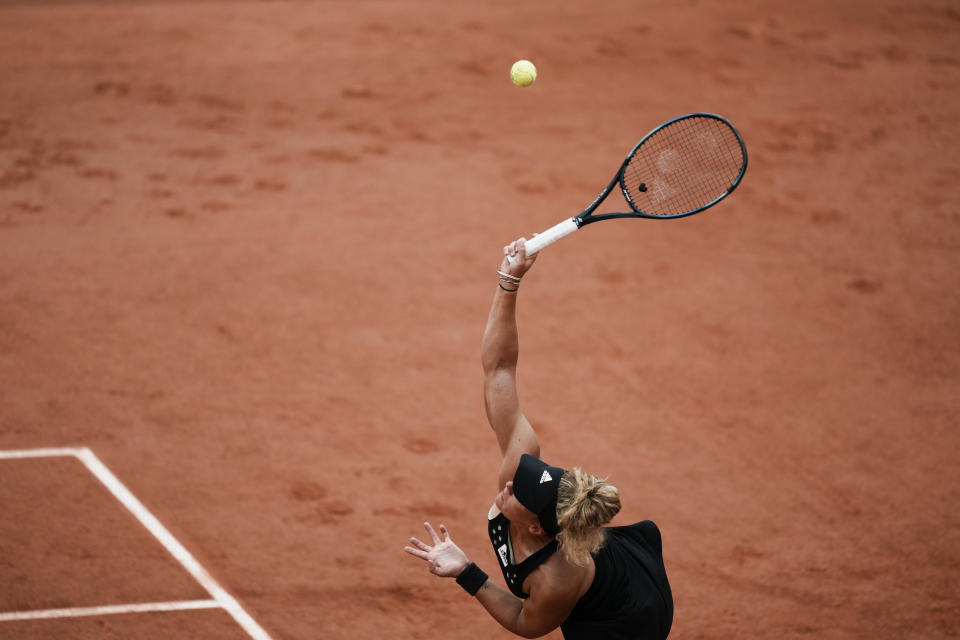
(562, 566)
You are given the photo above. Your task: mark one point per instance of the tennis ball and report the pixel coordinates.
(523, 73)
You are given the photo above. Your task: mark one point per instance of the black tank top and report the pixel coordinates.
(515, 574)
(630, 597)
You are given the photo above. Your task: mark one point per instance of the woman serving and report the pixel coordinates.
(562, 566)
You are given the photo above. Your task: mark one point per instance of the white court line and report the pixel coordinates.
(147, 519)
(39, 453)
(77, 612)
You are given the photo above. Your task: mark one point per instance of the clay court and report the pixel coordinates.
(247, 251)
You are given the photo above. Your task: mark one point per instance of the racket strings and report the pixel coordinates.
(684, 166)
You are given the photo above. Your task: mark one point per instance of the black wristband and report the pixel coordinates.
(472, 578)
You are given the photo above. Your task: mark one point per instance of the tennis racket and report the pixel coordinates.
(682, 167)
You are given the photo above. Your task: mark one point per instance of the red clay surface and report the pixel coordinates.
(68, 543)
(181, 625)
(247, 250)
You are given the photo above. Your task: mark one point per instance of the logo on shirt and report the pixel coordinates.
(502, 552)
(545, 477)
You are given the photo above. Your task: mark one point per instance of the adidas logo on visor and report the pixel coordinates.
(545, 477)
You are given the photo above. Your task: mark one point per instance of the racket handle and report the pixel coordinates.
(551, 235)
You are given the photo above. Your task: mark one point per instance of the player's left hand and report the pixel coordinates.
(445, 558)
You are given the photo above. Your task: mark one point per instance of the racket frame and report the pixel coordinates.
(586, 216)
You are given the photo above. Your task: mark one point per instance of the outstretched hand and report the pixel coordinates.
(445, 558)
(515, 261)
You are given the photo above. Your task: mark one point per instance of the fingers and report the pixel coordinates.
(419, 549)
(514, 252)
(446, 534)
(511, 249)
(519, 248)
(419, 545)
(433, 534)
(416, 552)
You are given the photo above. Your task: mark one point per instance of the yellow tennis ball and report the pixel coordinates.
(523, 73)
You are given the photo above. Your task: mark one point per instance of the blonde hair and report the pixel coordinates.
(584, 504)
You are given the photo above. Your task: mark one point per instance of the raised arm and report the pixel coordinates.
(499, 354)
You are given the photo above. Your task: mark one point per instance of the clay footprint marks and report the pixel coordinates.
(35, 158)
(218, 115)
(212, 113)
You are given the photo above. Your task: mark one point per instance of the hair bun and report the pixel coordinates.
(584, 504)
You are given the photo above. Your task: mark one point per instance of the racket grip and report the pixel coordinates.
(551, 235)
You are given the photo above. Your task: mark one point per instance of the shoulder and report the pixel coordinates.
(561, 581)
(647, 531)
(554, 587)
(651, 532)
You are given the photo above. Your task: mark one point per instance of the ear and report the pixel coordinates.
(535, 529)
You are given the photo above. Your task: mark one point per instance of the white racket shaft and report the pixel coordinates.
(551, 235)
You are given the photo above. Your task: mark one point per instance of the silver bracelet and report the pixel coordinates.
(509, 276)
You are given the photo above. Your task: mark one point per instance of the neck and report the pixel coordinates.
(526, 543)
